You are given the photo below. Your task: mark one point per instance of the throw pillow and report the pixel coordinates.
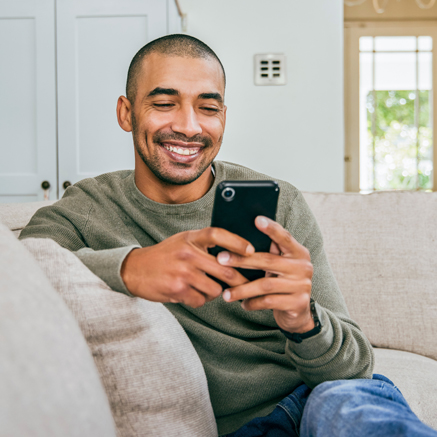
(152, 375)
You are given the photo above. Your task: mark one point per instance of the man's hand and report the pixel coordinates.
(286, 289)
(175, 269)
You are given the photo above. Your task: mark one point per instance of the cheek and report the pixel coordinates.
(215, 129)
(155, 122)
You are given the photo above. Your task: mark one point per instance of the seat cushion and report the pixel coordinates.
(49, 385)
(416, 378)
(383, 250)
(152, 375)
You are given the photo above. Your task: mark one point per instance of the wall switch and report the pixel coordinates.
(269, 69)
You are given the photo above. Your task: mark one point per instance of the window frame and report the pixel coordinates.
(352, 33)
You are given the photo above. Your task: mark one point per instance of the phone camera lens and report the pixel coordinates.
(228, 194)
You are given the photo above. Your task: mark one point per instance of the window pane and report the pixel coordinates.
(395, 43)
(366, 43)
(425, 71)
(425, 152)
(366, 111)
(366, 72)
(425, 43)
(396, 137)
(395, 71)
(395, 141)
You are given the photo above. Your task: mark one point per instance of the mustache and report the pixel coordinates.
(160, 137)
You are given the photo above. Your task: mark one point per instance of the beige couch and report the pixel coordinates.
(140, 375)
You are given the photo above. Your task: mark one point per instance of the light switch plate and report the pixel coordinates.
(270, 69)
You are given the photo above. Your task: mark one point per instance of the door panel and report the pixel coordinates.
(102, 64)
(96, 42)
(27, 100)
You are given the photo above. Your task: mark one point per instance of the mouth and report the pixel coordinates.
(184, 151)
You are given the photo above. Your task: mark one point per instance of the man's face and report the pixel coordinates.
(178, 117)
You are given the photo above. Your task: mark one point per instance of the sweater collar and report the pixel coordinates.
(184, 208)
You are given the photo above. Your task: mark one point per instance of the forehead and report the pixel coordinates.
(185, 74)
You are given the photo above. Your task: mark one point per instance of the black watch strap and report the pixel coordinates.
(298, 338)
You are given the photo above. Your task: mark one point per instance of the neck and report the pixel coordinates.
(162, 192)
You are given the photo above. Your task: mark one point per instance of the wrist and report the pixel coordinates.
(309, 330)
(308, 326)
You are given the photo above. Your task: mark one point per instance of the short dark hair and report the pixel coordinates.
(171, 45)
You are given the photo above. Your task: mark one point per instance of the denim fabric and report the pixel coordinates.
(283, 421)
(359, 408)
(349, 408)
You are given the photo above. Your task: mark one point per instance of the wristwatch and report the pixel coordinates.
(298, 338)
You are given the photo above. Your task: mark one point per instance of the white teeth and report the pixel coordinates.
(181, 151)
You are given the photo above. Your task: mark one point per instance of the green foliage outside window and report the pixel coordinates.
(403, 155)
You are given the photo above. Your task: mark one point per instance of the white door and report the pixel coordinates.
(27, 100)
(96, 40)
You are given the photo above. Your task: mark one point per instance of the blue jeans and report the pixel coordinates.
(349, 408)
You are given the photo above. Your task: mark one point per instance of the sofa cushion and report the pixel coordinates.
(152, 375)
(416, 378)
(15, 216)
(383, 251)
(49, 385)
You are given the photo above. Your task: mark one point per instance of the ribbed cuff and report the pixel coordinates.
(106, 264)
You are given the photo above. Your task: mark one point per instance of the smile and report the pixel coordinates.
(180, 150)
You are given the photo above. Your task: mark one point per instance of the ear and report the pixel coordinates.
(124, 114)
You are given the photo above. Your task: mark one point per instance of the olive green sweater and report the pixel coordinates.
(248, 363)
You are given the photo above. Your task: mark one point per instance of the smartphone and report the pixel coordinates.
(236, 205)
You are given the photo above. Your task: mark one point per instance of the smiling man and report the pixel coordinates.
(177, 125)
(146, 233)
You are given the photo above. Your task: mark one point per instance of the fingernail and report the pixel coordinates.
(250, 249)
(263, 222)
(223, 257)
(243, 304)
(227, 295)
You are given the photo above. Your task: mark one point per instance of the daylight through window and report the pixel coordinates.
(396, 113)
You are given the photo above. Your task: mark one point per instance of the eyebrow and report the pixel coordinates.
(166, 91)
(215, 96)
(172, 92)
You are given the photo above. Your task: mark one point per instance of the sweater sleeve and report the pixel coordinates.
(340, 350)
(106, 264)
(66, 223)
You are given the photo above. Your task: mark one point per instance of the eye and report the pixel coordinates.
(163, 105)
(209, 109)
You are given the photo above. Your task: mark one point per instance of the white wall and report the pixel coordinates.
(292, 132)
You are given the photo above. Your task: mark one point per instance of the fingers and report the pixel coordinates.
(284, 240)
(208, 264)
(194, 288)
(272, 294)
(206, 286)
(268, 286)
(294, 306)
(210, 237)
(268, 262)
(274, 248)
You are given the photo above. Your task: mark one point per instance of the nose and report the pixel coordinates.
(186, 122)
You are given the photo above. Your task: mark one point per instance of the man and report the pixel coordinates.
(146, 233)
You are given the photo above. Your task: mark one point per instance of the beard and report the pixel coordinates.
(156, 165)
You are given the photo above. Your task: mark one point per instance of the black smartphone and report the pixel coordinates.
(236, 205)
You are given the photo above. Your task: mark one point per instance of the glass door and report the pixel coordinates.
(389, 100)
